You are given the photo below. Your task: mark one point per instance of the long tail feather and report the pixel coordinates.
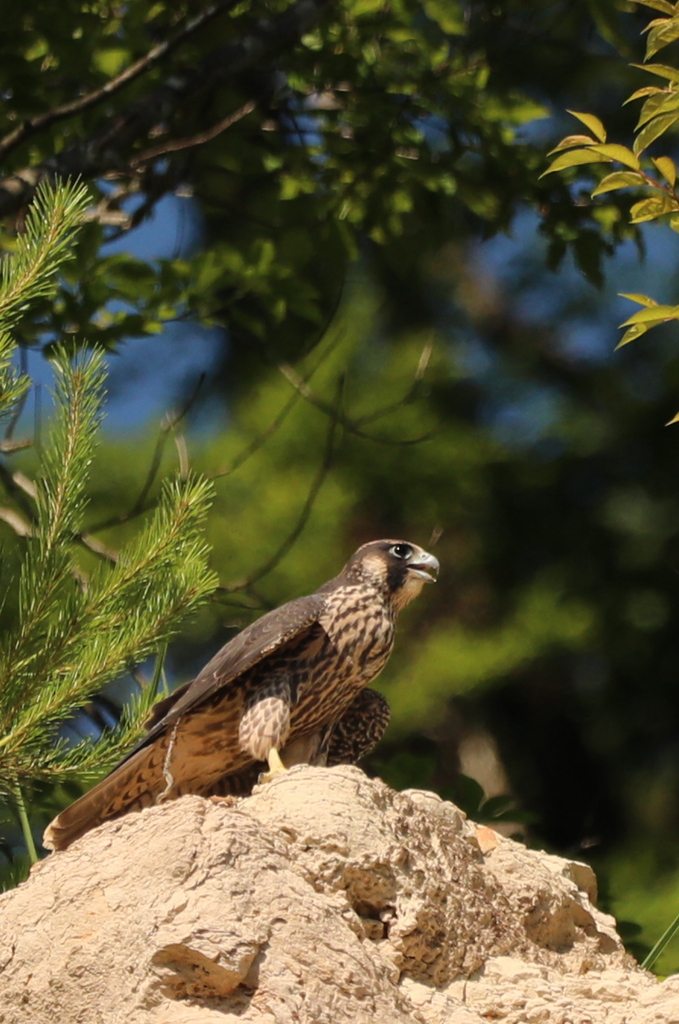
(129, 787)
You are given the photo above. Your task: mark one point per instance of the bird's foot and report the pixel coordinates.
(276, 766)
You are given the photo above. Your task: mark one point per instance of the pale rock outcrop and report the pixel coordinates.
(323, 898)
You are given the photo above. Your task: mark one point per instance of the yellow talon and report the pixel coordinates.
(276, 766)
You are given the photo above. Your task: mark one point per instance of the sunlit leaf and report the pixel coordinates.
(620, 153)
(651, 208)
(662, 35)
(675, 419)
(667, 168)
(360, 7)
(648, 90)
(619, 179)
(643, 300)
(654, 314)
(573, 140)
(574, 158)
(450, 16)
(662, 102)
(662, 70)
(653, 130)
(632, 334)
(591, 122)
(658, 5)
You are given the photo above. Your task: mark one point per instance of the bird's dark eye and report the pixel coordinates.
(401, 550)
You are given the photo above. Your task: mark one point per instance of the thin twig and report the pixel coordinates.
(183, 456)
(350, 425)
(15, 485)
(410, 394)
(19, 407)
(304, 515)
(261, 439)
(17, 522)
(174, 145)
(97, 548)
(250, 449)
(36, 124)
(167, 425)
(9, 447)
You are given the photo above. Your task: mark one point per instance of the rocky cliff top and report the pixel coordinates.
(324, 897)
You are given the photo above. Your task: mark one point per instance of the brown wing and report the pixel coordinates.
(135, 779)
(250, 646)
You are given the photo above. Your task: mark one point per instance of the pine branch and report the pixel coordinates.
(127, 613)
(46, 574)
(42, 248)
(70, 640)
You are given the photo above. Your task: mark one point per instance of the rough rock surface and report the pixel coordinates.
(323, 898)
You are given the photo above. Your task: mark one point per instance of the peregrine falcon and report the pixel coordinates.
(288, 689)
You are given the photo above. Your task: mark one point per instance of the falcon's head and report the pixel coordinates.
(397, 567)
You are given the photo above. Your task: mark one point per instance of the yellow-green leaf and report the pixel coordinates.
(112, 60)
(653, 315)
(575, 157)
(652, 24)
(667, 168)
(620, 153)
(648, 90)
(449, 16)
(619, 179)
(573, 140)
(661, 35)
(653, 130)
(651, 208)
(662, 70)
(675, 419)
(664, 101)
(658, 5)
(631, 335)
(591, 122)
(643, 300)
(674, 222)
(361, 7)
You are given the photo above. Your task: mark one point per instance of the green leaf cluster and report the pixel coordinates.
(656, 175)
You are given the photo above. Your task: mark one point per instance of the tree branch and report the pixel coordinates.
(174, 145)
(350, 425)
(303, 519)
(167, 425)
(37, 124)
(112, 147)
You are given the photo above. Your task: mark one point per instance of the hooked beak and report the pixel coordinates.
(425, 566)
